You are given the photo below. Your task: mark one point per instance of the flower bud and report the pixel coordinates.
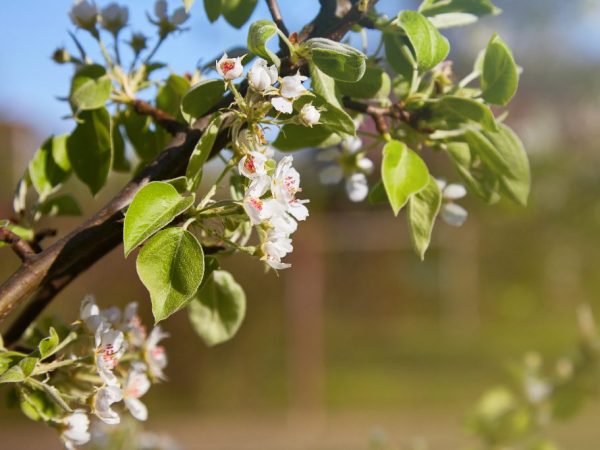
(309, 115)
(84, 15)
(261, 76)
(114, 18)
(61, 56)
(179, 16)
(137, 42)
(230, 68)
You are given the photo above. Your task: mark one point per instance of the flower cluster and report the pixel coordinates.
(167, 23)
(351, 164)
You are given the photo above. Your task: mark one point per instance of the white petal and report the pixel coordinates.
(365, 164)
(454, 214)
(351, 145)
(454, 191)
(357, 187)
(282, 105)
(137, 408)
(441, 183)
(298, 210)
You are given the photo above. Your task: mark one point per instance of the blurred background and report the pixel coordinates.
(359, 338)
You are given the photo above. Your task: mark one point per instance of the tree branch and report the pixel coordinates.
(278, 19)
(21, 247)
(46, 274)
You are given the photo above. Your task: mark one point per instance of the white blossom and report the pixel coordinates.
(179, 16)
(309, 115)
(230, 68)
(452, 213)
(262, 76)
(253, 165)
(283, 105)
(357, 187)
(84, 14)
(284, 186)
(114, 17)
(136, 385)
(276, 247)
(290, 89)
(75, 429)
(103, 400)
(110, 347)
(160, 9)
(154, 354)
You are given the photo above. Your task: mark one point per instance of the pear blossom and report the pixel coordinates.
(290, 89)
(133, 327)
(262, 76)
(84, 14)
(136, 385)
(275, 248)
(253, 165)
(230, 68)
(160, 9)
(103, 400)
(166, 23)
(110, 347)
(154, 354)
(179, 16)
(284, 186)
(75, 429)
(114, 17)
(351, 165)
(452, 213)
(309, 115)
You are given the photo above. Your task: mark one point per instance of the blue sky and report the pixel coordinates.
(30, 30)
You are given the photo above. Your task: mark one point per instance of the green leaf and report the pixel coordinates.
(90, 88)
(476, 7)
(237, 12)
(325, 86)
(218, 309)
(489, 154)
(295, 137)
(403, 173)
(480, 181)
(516, 184)
(339, 61)
(45, 172)
(153, 207)
(399, 55)
(213, 9)
(500, 77)
(171, 266)
(201, 98)
(375, 83)
(430, 47)
(201, 153)
(62, 205)
(377, 194)
(90, 148)
(258, 35)
(169, 95)
(13, 375)
(48, 344)
(146, 142)
(332, 117)
(423, 208)
(451, 20)
(188, 4)
(463, 109)
(28, 364)
(120, 161)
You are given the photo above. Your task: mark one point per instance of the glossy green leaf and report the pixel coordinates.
(153, 207)
(403, 173)
(120, 161)
(500, 77)
(475, 7)
(62, 205)
(480, 181)
(515, 184)
(213, 9)
(237, 12)
(48, 344)
(375, 83)
(339, 61)
(201, 98)
(399, 55)
(465, 110)
(325, 86)
(90, 148)
(423, 208)
(259, 34)
(295, 137)
(430, 47)
(90, 88)
(13, 375)
(146, 142)
(201, 153)
(171, 266)
(218, 309)
(45, 172)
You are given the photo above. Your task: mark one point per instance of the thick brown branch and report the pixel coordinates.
(168, 122)
(21, 247)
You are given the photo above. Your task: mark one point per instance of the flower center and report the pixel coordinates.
(226, 66)
(249, 165)
(256, 203)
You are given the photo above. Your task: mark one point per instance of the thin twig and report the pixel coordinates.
(278, 19)
(165, 120)
(20, 246)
